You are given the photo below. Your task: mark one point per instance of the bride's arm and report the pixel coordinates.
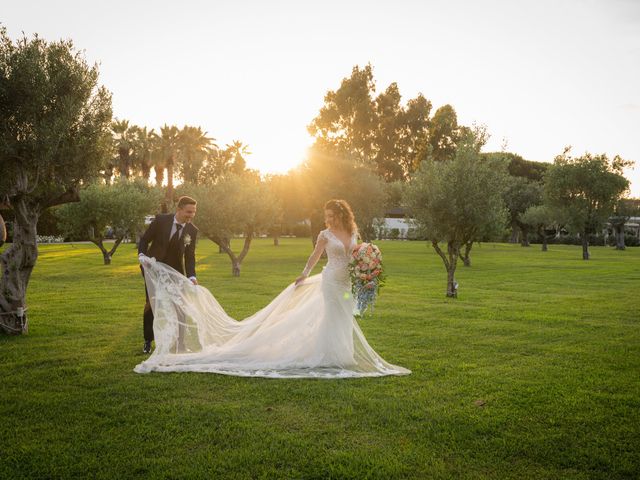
(321, 242)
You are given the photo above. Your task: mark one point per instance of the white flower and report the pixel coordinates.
(187, 240)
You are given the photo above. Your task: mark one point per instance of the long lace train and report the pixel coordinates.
(306, 331)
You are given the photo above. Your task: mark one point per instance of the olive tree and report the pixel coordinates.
(121, 206)
(54, 137)
(519, 196)
(540, 218)
(457, 202)
(234, 205)
(586, 189)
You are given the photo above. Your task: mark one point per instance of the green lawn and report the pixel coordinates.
(533, 372)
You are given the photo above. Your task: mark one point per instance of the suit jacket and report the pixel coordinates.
(158, 236)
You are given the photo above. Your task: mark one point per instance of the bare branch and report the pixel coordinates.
(67, 197)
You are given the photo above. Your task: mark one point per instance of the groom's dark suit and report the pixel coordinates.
(179, 252)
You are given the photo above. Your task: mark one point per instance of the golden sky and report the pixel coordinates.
(541, 74)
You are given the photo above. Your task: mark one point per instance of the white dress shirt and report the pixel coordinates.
(174, 228)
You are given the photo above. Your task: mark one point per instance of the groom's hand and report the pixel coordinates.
(144, 260)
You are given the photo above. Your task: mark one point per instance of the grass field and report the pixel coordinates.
(533, 372)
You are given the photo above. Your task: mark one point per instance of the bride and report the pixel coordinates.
(308, 330)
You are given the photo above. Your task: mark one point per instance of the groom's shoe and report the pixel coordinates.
(147, 347)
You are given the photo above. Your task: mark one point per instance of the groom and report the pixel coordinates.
(173, 242)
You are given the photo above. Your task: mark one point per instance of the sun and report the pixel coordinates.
(276, 157)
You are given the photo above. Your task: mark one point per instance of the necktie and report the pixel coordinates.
(176, 236)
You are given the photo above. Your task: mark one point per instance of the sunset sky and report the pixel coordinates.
(540, 74)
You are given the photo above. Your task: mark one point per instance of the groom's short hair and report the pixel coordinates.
(184, 201)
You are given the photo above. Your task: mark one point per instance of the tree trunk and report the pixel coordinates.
(159, 170)
(145, 167)
(170, 164)
(17, 263)
(452, 287)
(450, 261)
(235, 267)
(585, 246)
(515, 234)
(544, 240)
(107, 255)
(115, 246)
(248, 236)
(524, 239)
(619, 232)
(3, 231)
(108, 174)
(367, 233)
(236, 261)
(276, 240)
(466, 259)
(125, 162)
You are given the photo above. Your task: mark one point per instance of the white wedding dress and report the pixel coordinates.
(306, 331)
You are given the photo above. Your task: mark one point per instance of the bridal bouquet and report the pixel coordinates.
(365, 269)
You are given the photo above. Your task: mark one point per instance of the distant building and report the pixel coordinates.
(394, 224)
(633, 225)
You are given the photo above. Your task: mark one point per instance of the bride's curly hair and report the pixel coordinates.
(343, 213)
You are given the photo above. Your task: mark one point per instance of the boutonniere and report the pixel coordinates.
(187, 240)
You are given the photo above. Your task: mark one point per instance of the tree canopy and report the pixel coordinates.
(373, 131)
(54, 121)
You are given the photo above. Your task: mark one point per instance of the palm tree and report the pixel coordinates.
(193, 147)
(158, 162)
(122, 136)
(168, 149)
(217, 164)
(237, 150)
(142, 150)
(107, 172)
